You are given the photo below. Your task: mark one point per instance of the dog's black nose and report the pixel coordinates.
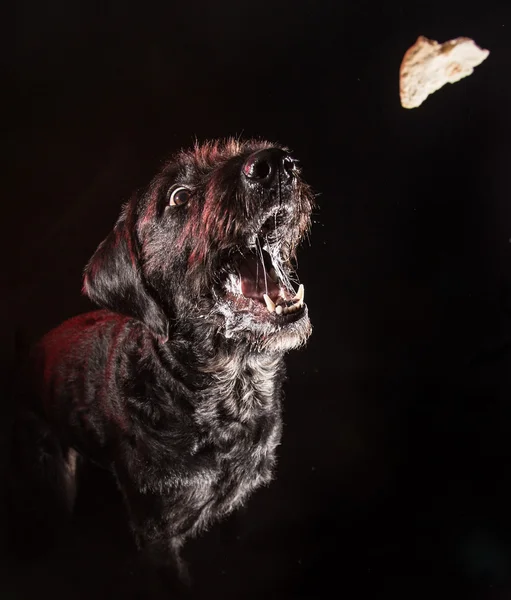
(262, 166)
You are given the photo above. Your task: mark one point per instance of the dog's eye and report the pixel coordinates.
(179, 196)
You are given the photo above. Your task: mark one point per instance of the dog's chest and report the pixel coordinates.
(240, 413)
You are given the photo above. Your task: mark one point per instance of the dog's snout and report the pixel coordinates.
(264, 165)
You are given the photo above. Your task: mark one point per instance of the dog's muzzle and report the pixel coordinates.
(264, 166)
(260, 280)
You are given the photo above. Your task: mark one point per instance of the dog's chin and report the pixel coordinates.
(263, 332)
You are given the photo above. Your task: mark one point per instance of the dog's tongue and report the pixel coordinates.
(255, 280)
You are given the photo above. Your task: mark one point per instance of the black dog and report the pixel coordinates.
(176, 385)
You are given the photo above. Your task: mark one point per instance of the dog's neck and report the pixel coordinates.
(231, 373)
(206, 351)
(242, 388)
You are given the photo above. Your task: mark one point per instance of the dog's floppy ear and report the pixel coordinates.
(114, 280)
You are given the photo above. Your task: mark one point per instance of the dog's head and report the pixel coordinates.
(211, 243)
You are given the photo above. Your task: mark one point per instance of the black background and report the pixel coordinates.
(394, 470)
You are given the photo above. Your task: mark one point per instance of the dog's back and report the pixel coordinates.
(54, 381)
(77, 367)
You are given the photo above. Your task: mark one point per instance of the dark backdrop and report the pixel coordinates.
(394, 470)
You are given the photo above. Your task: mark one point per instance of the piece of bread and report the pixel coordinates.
(428, 65)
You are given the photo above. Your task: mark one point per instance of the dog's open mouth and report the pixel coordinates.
(261, 286)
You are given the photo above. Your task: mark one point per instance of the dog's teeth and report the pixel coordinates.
(279, 310)
(300, 294)
(270, 305)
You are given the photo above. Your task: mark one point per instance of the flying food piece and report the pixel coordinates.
(427, 66)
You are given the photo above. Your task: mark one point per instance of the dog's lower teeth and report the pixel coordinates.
(270, 305)
(281, 307)
(300, 294)
(284, 310)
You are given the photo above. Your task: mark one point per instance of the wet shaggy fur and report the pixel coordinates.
(175, 384)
